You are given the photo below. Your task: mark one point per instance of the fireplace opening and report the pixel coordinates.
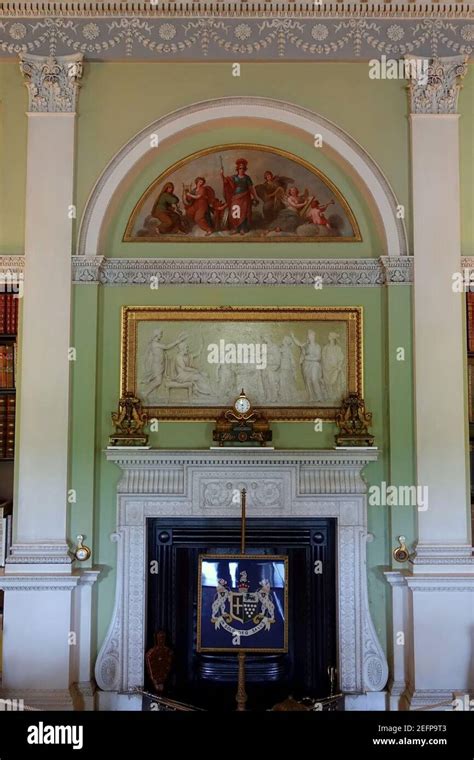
(209, 680)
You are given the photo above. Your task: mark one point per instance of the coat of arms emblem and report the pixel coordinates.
(243, 606)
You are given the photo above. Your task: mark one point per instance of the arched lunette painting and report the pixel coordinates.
(245, 193)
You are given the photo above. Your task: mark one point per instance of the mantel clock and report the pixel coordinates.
(242, 424)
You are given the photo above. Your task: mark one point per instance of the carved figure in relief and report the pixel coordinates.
(333, 367)
(310, 361)
(187, 373)
(155, 361)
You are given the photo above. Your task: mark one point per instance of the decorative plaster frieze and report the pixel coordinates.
(52, 82)
(40, 552)
(243, 272)
(185, 8)
(236, 272)
(12, 265)
(428, 699)
(443, 554)
(37, 582)
(88, 577)
(131, 459)
(432, 583)
(88, 269)
(398, 270)
(36, 700)
(226, 30)
(396, 577)
(453, 587)
(467, 262)
(281, 483)
(437, 91)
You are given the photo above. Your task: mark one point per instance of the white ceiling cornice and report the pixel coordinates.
(231, 9)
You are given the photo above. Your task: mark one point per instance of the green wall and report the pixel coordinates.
(93, 403)
(466, 136)
(104, 126)
(13, 129)
(117, 100)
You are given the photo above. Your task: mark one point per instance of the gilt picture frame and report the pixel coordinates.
(190, 363)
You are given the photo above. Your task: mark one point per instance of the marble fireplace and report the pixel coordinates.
(280, 484)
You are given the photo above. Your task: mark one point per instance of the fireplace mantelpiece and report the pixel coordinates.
(280, 483)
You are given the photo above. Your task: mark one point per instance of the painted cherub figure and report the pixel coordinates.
(316, 213)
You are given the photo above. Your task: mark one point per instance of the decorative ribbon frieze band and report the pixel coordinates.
(242, 31)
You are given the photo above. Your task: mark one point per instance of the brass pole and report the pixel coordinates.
(243, 504)
(241, 697)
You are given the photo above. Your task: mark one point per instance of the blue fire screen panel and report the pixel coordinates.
(242, 603)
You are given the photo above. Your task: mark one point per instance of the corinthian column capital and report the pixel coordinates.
(435, 88)
(52, 82)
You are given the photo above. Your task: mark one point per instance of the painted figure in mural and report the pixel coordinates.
(185, 372)
(202, 207)
(310, 361)
(333, 367)
(166, 210)
(316, 213)
(272, 194)
(155, 361)
(295, 201)
(205, 199)
(292, 215)
(240, 195)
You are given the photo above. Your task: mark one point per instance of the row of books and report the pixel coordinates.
(5, 530)
(7, 365)
(470, 322)
(8, 314)
(7, 426)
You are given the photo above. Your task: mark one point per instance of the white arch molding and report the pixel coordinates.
(373, 181)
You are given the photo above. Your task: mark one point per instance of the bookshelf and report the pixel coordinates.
(8, 361)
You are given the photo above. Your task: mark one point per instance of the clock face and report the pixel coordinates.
(242, 405)
(82, 554)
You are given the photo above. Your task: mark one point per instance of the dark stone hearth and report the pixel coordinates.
(208, 680)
